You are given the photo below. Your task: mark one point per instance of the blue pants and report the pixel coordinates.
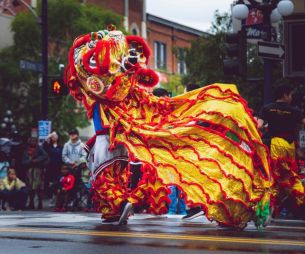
(177, 205)
(16, 198)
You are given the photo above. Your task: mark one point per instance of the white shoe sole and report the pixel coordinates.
(125, 214)
(194, 216)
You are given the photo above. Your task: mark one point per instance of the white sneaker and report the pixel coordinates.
(125, 214)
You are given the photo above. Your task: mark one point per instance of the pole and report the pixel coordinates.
(44, 33)
(268, 98)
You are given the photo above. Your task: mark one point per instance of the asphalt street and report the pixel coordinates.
(47, 232)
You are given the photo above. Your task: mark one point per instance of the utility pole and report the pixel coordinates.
(272, 10)
(267, 9)
(44, 51)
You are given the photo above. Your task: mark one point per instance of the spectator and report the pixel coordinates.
(160, 92)
(17, 150)
(34, 160)
(191, 87)
(85, 184)
(73, 150)
(13, 191)
(65, 190)
(283, 122)
(4, 166)
(54, 150)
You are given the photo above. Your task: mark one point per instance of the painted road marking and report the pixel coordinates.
(157, 236)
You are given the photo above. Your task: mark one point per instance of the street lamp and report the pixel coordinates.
(240, 11)
(272, 10)
(7, 125)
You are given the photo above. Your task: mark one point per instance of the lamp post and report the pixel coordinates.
(44, 34)
(272, 10)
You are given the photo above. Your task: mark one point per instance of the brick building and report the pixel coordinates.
(8, 9)
(166, 38)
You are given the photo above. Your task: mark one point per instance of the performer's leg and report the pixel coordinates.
(172, 207)
(287, 182)
(151, 192)
(136, 174)
(181, 206)
(110, 191)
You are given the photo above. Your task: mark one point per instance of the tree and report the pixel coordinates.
(67, 19)
(174, 85)
(208, 68)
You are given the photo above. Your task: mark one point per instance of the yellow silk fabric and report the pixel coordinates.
(287, 179)
(210, 168)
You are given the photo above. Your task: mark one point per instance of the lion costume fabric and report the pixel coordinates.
(205, 142)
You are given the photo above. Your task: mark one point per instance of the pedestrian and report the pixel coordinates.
(17, 149)
(13, 191)
(283, 121)
(34, 161)
(65, 189)
(4, 166)
(160, 92)
(54, 150)
(191, 87)
(73, 150)
(86, 185)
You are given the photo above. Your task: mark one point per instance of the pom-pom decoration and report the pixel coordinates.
(147, 77)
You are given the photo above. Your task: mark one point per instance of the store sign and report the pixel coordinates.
(255, 17)
(254, 24)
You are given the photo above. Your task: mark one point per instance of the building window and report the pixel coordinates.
(181, 65)
(134, 29)
(160, 55)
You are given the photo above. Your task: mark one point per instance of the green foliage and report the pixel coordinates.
(205, 64)
(27, 35)
(174, 85)
(66, 20)
(69, 19)
(204, 59)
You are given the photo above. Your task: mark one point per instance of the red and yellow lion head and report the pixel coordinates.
(106, 64)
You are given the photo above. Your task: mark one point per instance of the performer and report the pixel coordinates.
(283, 121)
(205, 142)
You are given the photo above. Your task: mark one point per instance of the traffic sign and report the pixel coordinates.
(271, 50)
(30, 66)
(44, 129)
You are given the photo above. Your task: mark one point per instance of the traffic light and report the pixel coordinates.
(294, 65)
(236, 49)
(58, 87)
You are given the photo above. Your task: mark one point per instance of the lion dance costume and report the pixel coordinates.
(205, 142)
